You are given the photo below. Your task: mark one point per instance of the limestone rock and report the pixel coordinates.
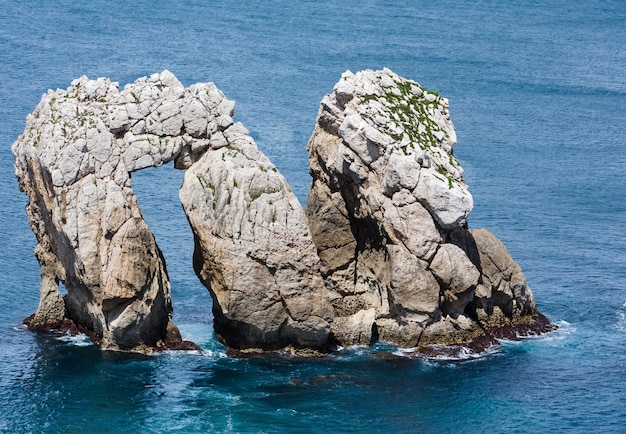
(388, 212)
(254, 250)
(357, 329)
(458, 276)
(383, 251)
(503, 291)
(74, 162)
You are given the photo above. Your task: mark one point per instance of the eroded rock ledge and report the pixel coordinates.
(383, 251)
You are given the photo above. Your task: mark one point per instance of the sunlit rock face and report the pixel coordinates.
(388, 212)
(74, 161)
(254, 250)
(383, 251)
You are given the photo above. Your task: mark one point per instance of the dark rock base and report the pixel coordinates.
(173, 340)
(537, 326)
(526, 327)
(290, 351)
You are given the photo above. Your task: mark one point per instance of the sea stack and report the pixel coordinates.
(253, 250)
(382, 251)
(74, 161)
(388, 211)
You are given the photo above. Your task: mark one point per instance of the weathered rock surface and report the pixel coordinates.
(254, 250)
(383, 251)
(74, 162)
(388, 213)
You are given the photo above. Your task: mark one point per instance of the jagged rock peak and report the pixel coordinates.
(388, 212)
(398, 128)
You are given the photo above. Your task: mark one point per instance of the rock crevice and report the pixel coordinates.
(388, 211)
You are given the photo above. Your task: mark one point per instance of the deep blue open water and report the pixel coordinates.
(537, 92)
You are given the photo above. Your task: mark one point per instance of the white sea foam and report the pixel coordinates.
(355, 352)
(214, 354)
(565, 329)
(19, 328)
(404, 351)
(621, 319)
(554, 338)
(79, 340)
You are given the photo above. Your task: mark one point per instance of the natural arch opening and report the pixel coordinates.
(156, 190)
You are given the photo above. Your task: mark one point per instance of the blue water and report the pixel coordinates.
(537, 92)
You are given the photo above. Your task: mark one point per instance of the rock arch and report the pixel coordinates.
(388, 254)
(74, 161)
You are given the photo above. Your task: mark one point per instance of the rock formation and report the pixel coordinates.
(74, 161)
(254, 250)
(388, 213)
(382, 253)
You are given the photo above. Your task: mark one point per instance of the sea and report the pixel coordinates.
(537, 93)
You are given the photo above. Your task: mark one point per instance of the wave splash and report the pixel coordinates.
(621, 318)
(78, 340)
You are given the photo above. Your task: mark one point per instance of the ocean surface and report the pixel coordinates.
(537, 93)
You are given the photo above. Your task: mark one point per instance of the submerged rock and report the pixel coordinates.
(388, 211)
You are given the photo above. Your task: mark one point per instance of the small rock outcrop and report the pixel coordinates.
(388, 212)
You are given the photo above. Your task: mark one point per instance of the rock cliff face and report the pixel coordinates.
(254, 250)
(383, 251)
(388, 213)
(74, 161)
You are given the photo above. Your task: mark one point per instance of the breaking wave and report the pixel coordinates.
(78, 340)
(621, 318)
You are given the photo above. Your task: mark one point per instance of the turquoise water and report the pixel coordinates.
(538, 95)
